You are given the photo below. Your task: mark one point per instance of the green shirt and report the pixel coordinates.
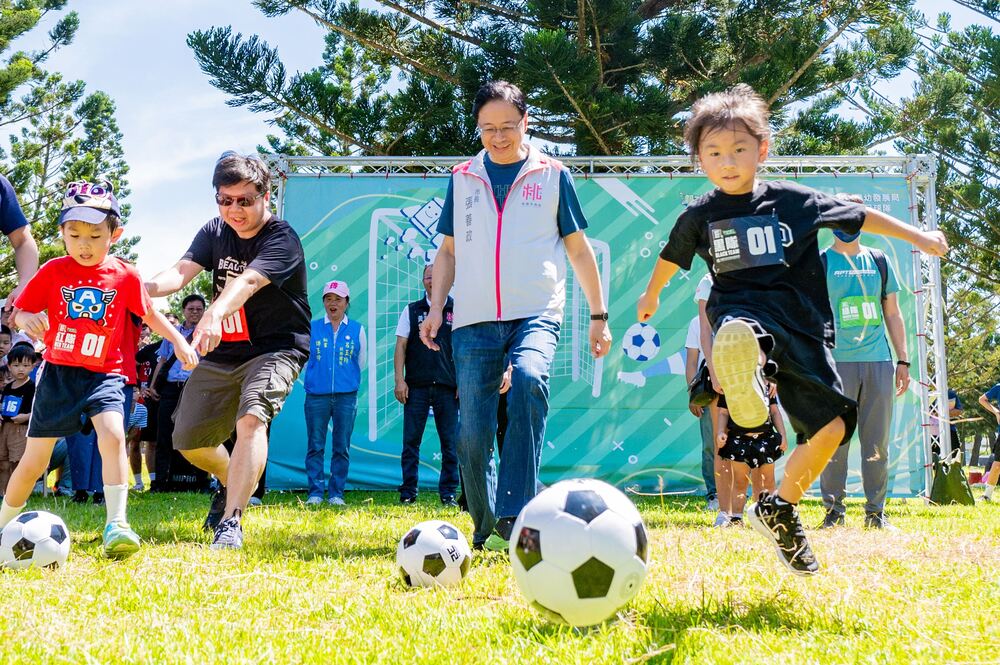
(855, 287)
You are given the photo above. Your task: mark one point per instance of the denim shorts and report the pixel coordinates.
(65, 394)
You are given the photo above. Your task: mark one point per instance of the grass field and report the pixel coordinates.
(319, 586)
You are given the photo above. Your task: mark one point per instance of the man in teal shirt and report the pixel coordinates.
(862, 286)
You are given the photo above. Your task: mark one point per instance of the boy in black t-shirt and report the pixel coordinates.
(769, 305)
(15, 410)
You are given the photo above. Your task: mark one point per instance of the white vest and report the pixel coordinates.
(509, 263)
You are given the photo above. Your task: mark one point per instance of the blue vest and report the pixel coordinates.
(334, 359)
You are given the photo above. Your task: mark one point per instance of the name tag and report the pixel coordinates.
(858, 311)
(11, 406)
(87, 345)
(746, 242)
(234, 327)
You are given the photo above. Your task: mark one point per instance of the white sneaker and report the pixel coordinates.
(138, 487)
(736, 353)
(721, 520)
(336, 501)
(314, 501)
(713, 505)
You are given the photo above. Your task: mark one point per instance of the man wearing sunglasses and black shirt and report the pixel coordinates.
(254, 337)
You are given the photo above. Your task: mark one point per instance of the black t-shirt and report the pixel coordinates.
(15, 401)
(145, 363)
(761, 248)
(276, 318)
(733, 428)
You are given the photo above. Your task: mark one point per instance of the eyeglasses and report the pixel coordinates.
(242, 201)
(502, 130)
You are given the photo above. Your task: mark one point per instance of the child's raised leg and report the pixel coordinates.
(119, 538)
(33, 464)
(807, 461)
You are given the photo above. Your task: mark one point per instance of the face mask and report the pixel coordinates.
(846, 237)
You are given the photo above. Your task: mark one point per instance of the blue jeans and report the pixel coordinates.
(445, 404)
(340, 409)
(481, 351)
(707, 452)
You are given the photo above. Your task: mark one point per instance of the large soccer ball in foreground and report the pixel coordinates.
(433, 553)
(578, 551)
(36, 539)
(641, 342)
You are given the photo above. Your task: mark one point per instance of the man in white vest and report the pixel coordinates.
(510, 220)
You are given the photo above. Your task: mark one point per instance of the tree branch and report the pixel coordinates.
(501, 11)
(432, 24)
(809, 61)
(579, 111)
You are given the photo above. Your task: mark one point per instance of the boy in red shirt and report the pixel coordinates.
(80, 304)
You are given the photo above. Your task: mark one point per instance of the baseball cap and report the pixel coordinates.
(89, 202)
(338, 287)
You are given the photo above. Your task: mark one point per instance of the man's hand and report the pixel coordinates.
(429, 329)
(696, 411)
(402, 391)
(35, 324)
(600, 338)
(902, 379)
(207, 334)
(933, 243)
(648, 304)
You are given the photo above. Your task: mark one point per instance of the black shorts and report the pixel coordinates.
(148, 433)
(809, 387)
(752, 450)
(65, 394)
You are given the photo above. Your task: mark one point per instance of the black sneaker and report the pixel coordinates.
(98, 498)
(407, 499)
(780, 524)
(878, 521)
(449, 502)
(216, 511)
(80, 496)
(832, 519)
(229, 534)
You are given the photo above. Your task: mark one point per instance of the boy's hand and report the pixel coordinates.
(933, 243)
(187, 356)
(600, 338)
(36, 324)
(648, 304)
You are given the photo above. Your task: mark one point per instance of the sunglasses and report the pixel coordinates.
(243, 201)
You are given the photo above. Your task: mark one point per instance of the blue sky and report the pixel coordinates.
(174, 122)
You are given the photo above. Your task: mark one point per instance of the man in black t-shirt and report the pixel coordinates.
(254, 338)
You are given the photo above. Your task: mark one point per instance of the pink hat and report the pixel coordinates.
(338, 287)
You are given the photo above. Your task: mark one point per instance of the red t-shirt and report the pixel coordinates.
(88, 310)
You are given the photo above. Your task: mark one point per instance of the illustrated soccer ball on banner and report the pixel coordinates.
(641, 342)
(579, 551)
(433, 553)
(34, 539)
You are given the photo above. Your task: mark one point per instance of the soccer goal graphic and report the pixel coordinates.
(400, 243)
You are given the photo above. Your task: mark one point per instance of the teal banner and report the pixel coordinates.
(623, 418)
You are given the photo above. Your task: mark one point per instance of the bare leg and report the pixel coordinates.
(33, 464)
(249, 458)
(741, 478)
(994, 475)
(807, 461)
(213, 459)
(134, 454)
(149, 452)
(110, 430)
(762, 479)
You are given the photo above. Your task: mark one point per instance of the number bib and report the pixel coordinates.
(859, 311)
(11, 406)
(234, 327)
(746, 242)
(85, 344)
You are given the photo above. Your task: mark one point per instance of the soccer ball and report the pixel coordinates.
(641, 342)
(433, 553)
(579, 551)
(36, 539)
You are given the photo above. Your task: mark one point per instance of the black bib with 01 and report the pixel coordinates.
(745, 242)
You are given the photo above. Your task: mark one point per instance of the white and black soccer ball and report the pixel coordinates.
(34, 539)
(641, 342)
(579, 551)
(433, 553)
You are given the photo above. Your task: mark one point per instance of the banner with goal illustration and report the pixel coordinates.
(623, 418)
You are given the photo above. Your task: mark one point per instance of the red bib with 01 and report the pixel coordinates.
(82, 343)
(234, 327)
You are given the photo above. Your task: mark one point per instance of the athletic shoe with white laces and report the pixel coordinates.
(229, 534)
(216, 510)
(721, 520)
(779, 522)
(314, 500)
(737, 358)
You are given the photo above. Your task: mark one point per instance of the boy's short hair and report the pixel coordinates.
(499, 90)
(5, 330)
(234, 168)
(739, 105)
(191, 298)
(22, 352)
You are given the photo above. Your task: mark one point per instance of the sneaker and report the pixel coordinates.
(98, 498)
(229, 534)
(138, 487)
(721, 520)
(120, 540)
(255, 501)
(216, 510)
(61, 492)
(406, 500)
(712, 503)
(314, 500)
(878, 521)
(832, 519)
(80, 496)
(449, 502)
(736, 353)
(780, 524)
(337, 501)
(735, 520)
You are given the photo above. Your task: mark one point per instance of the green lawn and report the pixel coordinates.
(319, 586)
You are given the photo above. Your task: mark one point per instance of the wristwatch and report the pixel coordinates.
(903, 362)
(599, 317)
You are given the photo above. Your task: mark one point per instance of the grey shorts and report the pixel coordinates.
(217, 395)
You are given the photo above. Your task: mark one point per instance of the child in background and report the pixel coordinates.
(15, 410)
(6, 338)
(80, 304)
(136, 422)
(750, 451)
